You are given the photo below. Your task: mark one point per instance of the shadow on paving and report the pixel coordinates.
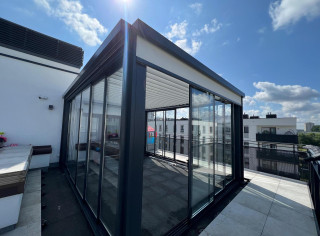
(63, 212)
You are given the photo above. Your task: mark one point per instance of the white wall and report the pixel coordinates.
(159, 57)
(23, 117)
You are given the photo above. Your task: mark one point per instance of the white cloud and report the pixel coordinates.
(71, 13)
(270, 92)
(195, 45)
(285, 100)
(288, 12)
(208, 28)
(178, 34)
(225, 43)
(178, 30)
(250, 101)
(197, 7)
(262, 30)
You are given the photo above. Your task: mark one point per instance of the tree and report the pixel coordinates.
(309, 139)
(316, 128)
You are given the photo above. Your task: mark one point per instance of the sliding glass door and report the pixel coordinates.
(169, 134)
(74, 119)
(82, 145)
(202, 105)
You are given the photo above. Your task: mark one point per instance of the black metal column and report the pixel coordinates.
(132, 141)
(64, 135)
(238, 142)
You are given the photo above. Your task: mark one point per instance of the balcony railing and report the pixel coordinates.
(277, 138)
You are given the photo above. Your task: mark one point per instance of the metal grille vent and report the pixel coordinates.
(19, 37)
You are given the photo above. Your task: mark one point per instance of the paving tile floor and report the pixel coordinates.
(268, 206)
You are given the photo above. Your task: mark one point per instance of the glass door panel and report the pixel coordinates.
(73, 136)
(202, 105)
(159, 149)
(169, 134)
(182, 132)
(219, 146)
(228, 155)
(95, 146)
(83, 135)
(151, 132)
(109, 189)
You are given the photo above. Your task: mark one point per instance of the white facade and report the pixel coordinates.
(308, 126)
(279, 126)
(25, 118)
(152, 53)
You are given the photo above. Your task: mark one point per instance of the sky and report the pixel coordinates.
(269, 49)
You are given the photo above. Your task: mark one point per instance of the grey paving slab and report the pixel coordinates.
(268, 206)
(275, 227)
(252, 219)
(218, 228)
(253, 199)
(289, 216)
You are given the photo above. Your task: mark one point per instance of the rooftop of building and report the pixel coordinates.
(23, 39)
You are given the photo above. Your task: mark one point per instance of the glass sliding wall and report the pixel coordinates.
(95, 146)
(159, 139)
(219, 146)
(169, 134)
(83, 143)
(109, 191)
(150, 132)
(182, 134)
(202, 105)
(74, 120)
(228, 142)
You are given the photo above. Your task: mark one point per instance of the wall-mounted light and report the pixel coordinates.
(51, 107)
(43, 98)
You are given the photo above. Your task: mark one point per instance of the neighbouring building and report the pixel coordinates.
(308, 126)
(270, 132)
(271, 144)
(36, 69)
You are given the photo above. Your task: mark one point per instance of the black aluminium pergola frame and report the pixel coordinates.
(119, 49)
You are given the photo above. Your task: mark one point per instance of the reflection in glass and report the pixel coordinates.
(73, 135)
(95, 145)
(182, 132)
(219, 150)
(111, 151)
(202, 149)
(82, 145)
(160, 133)
(151, 134)
(169, 134)
(228, 143)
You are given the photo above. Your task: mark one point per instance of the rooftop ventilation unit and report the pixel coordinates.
(269, 115)
(254, 117)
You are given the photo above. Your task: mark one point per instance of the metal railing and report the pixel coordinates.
(281, 138)
(276, 158)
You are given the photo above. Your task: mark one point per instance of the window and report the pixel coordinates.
(204, 129)
(211, 129)
(273, 146)
(160, 128)
(246, 144)
(181, 129)
(246, 129)
(273, 130)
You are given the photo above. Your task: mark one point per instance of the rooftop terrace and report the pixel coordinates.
(269, 205)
